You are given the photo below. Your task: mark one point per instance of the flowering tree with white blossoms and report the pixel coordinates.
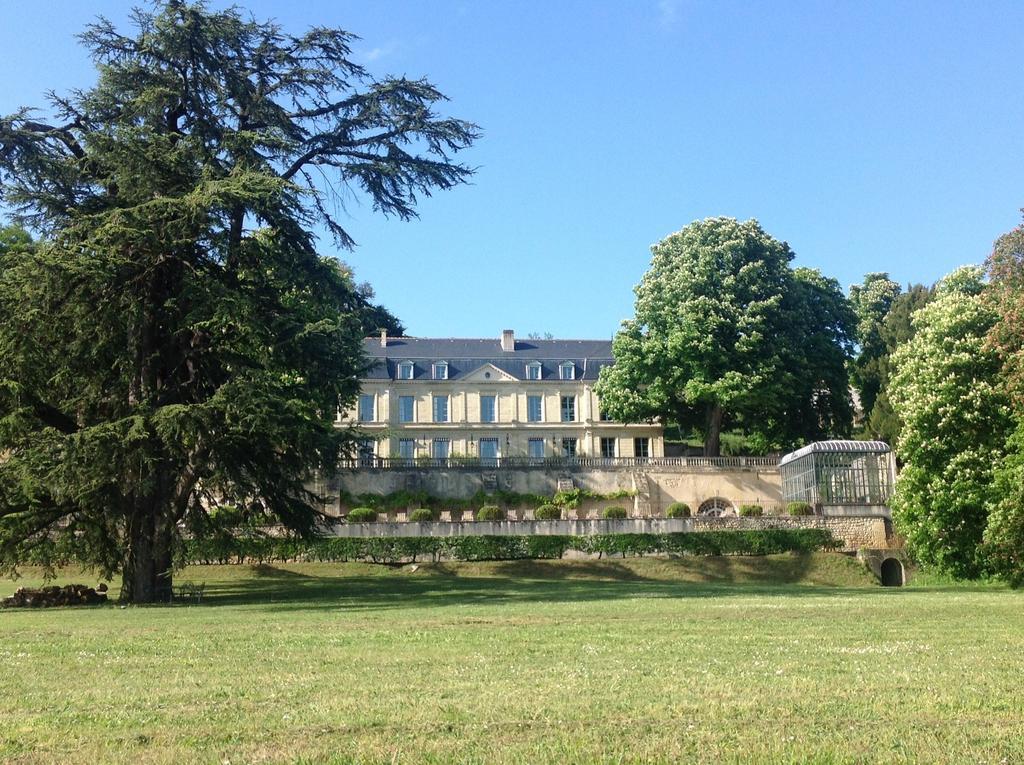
(956, 419)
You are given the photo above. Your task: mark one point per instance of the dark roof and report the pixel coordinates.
(467, 355)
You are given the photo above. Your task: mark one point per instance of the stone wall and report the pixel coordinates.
(875, 558)
(654, 488)
(856, 532)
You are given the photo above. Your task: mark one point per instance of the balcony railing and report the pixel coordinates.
(493, 463)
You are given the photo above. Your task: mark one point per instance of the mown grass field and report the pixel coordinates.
(778, 659)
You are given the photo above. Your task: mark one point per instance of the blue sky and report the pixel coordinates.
(870, 136)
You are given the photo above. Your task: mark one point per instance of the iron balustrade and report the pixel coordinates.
(448, 463)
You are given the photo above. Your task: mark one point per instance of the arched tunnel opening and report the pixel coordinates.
(892, 573)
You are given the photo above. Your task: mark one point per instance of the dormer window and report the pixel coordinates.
(533, 370)
(440, 370)
(566, 371)
(405, 370)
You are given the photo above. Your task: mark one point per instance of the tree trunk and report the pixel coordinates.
(146, 573)
(713, 431)
(146, 576)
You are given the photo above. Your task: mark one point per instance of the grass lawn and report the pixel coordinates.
(778, 659)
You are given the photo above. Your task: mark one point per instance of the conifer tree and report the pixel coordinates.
(176, 340)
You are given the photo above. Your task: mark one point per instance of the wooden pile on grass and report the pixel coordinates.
(46, 597)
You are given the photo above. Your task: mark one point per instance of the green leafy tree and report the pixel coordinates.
(871, 301)
(820, 327)
(1004, 534)
(14, 239)
(1005, 268)
(374, 317)
(1004, 530)
(177, 341)
(713, 343)
(883, 422)
(956, 420)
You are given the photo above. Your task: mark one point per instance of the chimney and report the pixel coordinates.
(508, 340)
(383, 338)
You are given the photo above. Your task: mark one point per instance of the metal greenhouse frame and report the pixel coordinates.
(839, 473)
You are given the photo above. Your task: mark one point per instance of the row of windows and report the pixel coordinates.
(488, 408)
(489, 448)
(439, 370)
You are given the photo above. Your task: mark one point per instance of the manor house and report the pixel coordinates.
(493, 400)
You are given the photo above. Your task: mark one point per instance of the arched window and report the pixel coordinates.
(715, 507)
(440, 370)
(566, 371)
(533, 370)
(405, 370)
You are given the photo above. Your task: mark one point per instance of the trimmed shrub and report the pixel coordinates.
(677, 510)
(614, 512)
(548, 513)
(751, 511)
(421, 515)
(489, 513)
(799, 508)
(361, 515)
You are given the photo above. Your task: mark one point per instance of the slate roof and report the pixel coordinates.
(465, 356)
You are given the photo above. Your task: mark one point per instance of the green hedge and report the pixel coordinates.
(421, 515)
(614, 512)
(402, 549)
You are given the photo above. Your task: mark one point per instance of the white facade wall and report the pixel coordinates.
(512, 428)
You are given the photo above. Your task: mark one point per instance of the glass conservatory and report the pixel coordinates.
(839, 473)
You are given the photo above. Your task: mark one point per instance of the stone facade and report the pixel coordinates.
(653, 487)
(431, 398)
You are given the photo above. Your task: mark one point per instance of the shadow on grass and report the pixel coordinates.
(444, 584)
(267, 571)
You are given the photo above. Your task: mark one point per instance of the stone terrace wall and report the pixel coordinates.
(655, 487)
(856, 532)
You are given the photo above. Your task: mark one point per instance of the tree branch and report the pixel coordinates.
(63, 134)
(51, 415)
